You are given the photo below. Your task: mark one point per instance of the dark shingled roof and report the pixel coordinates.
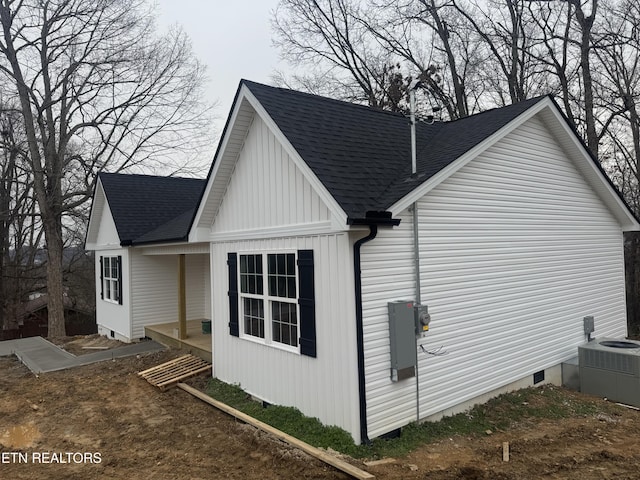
(148, 209)
(363, 155)
(360, 154)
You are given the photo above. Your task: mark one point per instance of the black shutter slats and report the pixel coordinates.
(120, 279)
(234, 326)
(101, 279)
(307, 302)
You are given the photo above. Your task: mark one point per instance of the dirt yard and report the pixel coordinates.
(104, 422)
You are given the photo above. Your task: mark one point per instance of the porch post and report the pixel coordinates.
(182, 298)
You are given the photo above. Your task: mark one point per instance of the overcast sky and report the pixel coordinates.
(233, 38)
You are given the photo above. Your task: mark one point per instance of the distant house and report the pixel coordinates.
(303, 234)
(31, 318)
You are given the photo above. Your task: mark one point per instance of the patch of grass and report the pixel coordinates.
(500, 413)
(287, 419)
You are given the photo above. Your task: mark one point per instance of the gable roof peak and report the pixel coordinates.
(150, 208)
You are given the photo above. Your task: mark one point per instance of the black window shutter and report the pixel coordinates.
(101, 279)
(307, 302)
(232, 262)
(120, 279)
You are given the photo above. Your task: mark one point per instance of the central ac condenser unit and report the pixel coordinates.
(611, 368)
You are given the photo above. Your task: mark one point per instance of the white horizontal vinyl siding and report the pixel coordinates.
(515, 250)
(154, 289)
(197, 287)
(387, 275)
(325, 387)
(267, 189)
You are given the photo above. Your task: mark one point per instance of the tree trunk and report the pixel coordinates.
(55, 289)
(586, 24)
(632, 261)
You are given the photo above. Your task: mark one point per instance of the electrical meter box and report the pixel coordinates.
(421, 319)
(402, 336)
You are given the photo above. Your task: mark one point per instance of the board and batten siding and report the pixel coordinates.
(267, 189)
(111, 316)
(107, 231)
(515, 249)
(326, 386)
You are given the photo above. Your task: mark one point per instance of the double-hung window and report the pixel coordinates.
(111, 276)
(272, 299)
(268, 297)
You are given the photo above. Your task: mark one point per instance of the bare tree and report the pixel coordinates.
(618, 53)
(585, 21)
(332, 32)
(97, 89)
(503, 29)
(425, 37)
(19, 220)
(8, 177)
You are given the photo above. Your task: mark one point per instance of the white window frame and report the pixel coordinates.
(111, 284)
(267, 301)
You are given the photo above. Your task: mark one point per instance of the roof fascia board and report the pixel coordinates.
(464, 159)
(217, 160)
(175, 248)
(97, 207)
(281, 231)
(315, 182)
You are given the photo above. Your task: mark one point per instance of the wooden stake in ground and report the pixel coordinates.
(505, 451)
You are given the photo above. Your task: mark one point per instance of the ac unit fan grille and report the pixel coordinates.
(609, 361)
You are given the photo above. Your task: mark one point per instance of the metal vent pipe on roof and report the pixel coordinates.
(414, 168)
(412, 118)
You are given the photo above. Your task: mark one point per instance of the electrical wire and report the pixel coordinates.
(438, 352)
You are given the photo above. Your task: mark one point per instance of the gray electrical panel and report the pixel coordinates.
(402, 332)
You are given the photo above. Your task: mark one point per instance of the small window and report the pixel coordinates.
(111, 278)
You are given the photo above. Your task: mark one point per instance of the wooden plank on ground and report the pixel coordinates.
(173, 371)
(382, 461)
(176, 361)
(182, 377)
(305, 447)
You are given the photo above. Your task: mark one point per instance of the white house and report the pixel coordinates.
(310, 222)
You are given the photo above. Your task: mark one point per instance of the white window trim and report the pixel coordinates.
(267, 299)
(112, 281)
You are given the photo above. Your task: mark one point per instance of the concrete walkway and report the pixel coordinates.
(40, 355)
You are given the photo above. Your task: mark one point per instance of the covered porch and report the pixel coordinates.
(195, 342)
(179, 296)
